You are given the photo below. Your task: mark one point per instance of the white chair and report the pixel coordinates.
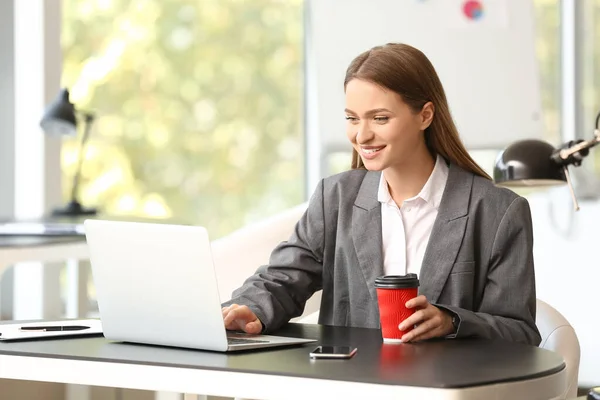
(559, 336)
(312, 318)
(239, 254)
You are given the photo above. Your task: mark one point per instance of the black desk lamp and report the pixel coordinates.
(537, 163)
(60, 118)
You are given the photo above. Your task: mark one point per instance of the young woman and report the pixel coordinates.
(414, 201)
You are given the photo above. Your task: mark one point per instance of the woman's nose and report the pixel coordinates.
(363, 134)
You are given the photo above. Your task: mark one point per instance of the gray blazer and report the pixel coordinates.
(478, 263)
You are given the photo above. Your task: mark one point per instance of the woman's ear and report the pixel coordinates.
(427, 113)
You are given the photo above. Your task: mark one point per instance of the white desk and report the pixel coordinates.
(44, 249)
(458, 369)
(15, 249)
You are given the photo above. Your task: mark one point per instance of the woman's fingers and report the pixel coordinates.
(424, 336)
(418, 302)
(413, 320)
(225, 311)
(254, 327)
(426, 321)
(427, 327)
(430, 322)
(241, 318)
(236, 313)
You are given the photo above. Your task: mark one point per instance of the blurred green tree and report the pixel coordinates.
(547, 24)
(199, 107)
(590, 96)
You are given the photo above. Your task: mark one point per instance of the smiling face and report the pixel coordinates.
(383, 129)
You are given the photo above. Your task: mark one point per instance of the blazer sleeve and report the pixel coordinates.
(507, 309)
(278, 291)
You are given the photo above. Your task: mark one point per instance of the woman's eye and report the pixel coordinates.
(351, 119)
(381, 119)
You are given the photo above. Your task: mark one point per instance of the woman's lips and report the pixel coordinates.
(370, 152)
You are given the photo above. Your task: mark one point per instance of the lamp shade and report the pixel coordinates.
(59, 117)
(528, 163)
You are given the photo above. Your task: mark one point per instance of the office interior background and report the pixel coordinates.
(206, 114)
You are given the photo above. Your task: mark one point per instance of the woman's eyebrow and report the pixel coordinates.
(377, 111)
(370, 112)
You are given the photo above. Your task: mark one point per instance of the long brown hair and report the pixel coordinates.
(408, 72)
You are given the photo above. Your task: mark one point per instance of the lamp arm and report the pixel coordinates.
(586, 144)
(573, 152)
(88, 119)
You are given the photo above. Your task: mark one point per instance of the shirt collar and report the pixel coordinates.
(431, 192)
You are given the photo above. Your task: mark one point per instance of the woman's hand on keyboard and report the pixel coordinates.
(241, 318)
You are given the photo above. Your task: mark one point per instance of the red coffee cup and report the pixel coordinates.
(393, 291)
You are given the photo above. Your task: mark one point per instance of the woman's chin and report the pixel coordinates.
(373, 165)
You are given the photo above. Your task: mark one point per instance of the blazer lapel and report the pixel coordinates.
(447, 234)
(366, 230)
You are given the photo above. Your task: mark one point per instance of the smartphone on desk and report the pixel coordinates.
(339, 352)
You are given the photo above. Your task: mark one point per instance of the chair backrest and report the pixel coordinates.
(559, 336)
(239, 254)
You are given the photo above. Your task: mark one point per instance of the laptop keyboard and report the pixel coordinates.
(231, 340)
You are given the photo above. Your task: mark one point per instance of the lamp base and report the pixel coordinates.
(73, 209)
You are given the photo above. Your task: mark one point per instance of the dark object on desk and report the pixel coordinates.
(537, 163)
(594, 394)
(54, 328)
(60, 118)
(435, 364)
(15, 331)
(333, 352)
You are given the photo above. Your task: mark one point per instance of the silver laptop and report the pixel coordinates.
(156, 284)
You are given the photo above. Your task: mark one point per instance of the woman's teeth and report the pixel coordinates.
(371, 151)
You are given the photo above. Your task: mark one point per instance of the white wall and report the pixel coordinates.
(567, 263)
(6, 109)
(488, 67)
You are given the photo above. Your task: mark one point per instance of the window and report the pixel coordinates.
(547, 24)
(590, 97)
(198, 103)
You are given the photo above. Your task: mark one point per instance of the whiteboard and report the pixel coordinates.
(488, 66)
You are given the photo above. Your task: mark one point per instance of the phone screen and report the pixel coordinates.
(333, 352)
